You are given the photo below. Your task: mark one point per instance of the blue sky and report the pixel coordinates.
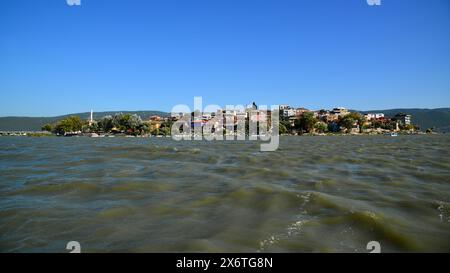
(151, 55)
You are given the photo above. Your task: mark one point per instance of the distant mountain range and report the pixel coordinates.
(426, 118)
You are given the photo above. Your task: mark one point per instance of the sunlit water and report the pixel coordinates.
(315, 194)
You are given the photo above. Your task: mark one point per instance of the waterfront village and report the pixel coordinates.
(292, 121)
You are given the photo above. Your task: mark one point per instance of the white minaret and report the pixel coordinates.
(91, 120)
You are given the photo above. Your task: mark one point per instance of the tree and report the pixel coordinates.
(376, 124)
(118, 121)
(94, 127)
(321, 127)
(285, 127)
(166, 128)
(333, 126)
(126, 122)
(133, 122)
(129, 123)
(144, 128)
(166, 131)
(282, 129)
(306, 122)
(47, 127)
(360, 120)
(389, 126)
(348, 121)
(407, 127)
(106, 124)
(90, 128)
(70, 124)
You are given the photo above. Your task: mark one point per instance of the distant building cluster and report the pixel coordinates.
(333, 120)
(221, 119)
(236, 121)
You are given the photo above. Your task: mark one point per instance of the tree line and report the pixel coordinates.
(131, 124)
(308, 123)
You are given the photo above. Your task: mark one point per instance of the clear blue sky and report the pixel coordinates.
(151, 55)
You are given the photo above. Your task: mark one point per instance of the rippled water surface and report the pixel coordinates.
(315, 194)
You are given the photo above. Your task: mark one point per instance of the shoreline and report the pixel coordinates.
(95, 135)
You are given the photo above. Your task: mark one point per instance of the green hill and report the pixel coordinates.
(35, 123)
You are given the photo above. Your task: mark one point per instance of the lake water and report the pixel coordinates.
(315, 194)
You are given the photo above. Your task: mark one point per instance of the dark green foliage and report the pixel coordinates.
(349, 121)
(47, 127)
(36, 123)
(70, 124)
(306, 122)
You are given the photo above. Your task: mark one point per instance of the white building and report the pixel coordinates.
(372, 116)
(339, 111)
(290, 112)
(403, 119)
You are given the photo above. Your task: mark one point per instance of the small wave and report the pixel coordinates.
(58, 188)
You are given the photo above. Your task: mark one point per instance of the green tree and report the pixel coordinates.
(127, 122)
(70, 124)
(407, 127)
(134, 123)
(376, 124)
(94, 127)
(119, 120)
(145, 128)
(333, 127)
(306, 122)
(90, 128)
(166, 128)
(360, 120)
(155, 131)
(285, 127)
(348, 121)
(321, 127)
(282, 129)
(106, 124)
(389, 126)
(47, 127)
